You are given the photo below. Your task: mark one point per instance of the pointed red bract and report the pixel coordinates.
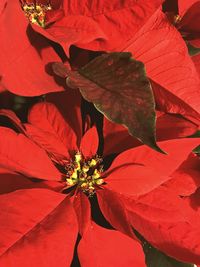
(82, 208)
(72, 30)
(69, 105)
(98, 26)
(168, 223)
(118, 20)
(10, 181)
(184, 5)
(113, 210)
(188, 25)
(47, 141)
(185, 180)
(134, 179)
(103, 247)
(46, 233)
(89, 143)
(52, 123)
(20, 154)
(15, 120)
(163, 51)
(140, 170)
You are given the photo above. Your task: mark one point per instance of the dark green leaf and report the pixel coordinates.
(197, 134)
(155, 258)
(193, 51)
(118, 87)
(196, 150)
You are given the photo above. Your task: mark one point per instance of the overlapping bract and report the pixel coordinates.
(132, 174)
(44, 219)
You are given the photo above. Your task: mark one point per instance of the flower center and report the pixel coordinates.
(86, 174)
(36, 13)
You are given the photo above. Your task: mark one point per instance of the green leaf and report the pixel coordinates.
(192, 50)
(196, 150)
(197, 134)
(155, 258)
(118, 87)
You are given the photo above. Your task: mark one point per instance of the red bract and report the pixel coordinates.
(174, 78)
(132, 174)
(25, 55)
(169, 216)
(188, 24)
(99, 25)
(196, 60)
(56, 212)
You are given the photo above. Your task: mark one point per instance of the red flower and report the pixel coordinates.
(98, 26)
(51, 213)
(133, 173)
(25, 55)
(189, 12)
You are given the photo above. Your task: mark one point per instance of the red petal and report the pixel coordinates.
(69, 103)
(118, 20)
(46, 116)
(103, 247)
(82, 208)
(170, 126)
(185, 180)
(189, 22)
(134, 180)
(89, 143)
(117, 138)
(15, 120)
(47, 141)
(161, 48)
(113, 210)
(196, 60)
(168, 223)
(10, 181)
(20, 154)
(71, 30)
(37, 223)
(24, 55)
(184, 5)
(141, 169)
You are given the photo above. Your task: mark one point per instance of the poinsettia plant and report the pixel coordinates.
(99, 133)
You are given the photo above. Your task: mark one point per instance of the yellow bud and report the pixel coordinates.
(70, 182)
(74, 175)
(99, 181)
(93, 162)
(91, 184)
(91, 188)
(78, 157)
(38, 8)
(84, 185)
(96, 174)
(85, 168)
